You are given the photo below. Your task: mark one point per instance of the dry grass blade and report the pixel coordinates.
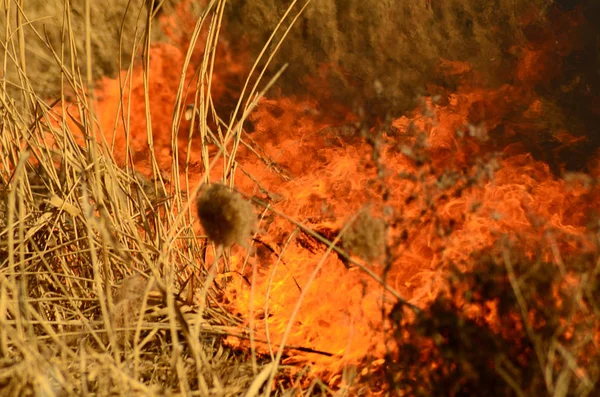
(74, 224)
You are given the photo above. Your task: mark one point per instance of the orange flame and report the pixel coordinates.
(320, 173)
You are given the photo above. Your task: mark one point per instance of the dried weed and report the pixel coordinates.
(226, 217)
(117, 31)
(365, 237)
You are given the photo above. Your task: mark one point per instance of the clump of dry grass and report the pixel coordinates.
(128, 301)
(365, 237)
(226, 217)
(47, 27)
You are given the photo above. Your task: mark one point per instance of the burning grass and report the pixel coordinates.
(378, 59)
(95, 255)
(413, 259)
(511, 325)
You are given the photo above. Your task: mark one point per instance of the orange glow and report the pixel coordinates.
(342, 312)
(322, 173)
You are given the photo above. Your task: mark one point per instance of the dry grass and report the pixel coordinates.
(104, 284)
(93, 257)
(225, 216)
(366, 237)
(56, 38)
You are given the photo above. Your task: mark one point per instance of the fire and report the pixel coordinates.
(342, 312)
(439, 203)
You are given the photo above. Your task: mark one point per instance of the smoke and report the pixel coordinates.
(379, 56)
